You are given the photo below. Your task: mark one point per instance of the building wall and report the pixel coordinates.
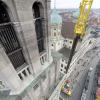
(68, 43)
(56, 45)
(21, 14)
(7, 71)
(63, 65)
(56, 38)
(24, 8)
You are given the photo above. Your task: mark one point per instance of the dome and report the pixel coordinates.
(55, 17)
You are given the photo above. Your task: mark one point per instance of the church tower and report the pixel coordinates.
(56, 25)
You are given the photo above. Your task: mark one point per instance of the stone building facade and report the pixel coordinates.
(27, 70)
(56, 26)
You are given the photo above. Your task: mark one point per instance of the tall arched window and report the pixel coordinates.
(38, 15)
(8, 38)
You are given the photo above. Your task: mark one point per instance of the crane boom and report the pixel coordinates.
(80, 26)
(85, 8)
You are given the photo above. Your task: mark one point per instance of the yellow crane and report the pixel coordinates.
(85, 8)
(80, 26)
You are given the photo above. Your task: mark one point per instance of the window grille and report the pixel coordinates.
(39, 26)
(11, 45)
(36, 86)
(8, 38)
(39, 32)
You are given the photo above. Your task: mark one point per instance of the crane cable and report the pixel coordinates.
(72, 51)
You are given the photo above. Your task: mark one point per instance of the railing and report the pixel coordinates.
(43, 58)
(24, 73)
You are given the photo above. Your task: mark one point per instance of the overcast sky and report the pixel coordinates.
(72, 3)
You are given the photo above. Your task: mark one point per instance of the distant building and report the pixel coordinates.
(76, 14)
(64, 61)
(68, 33)
(94, 19)
(58, 42)
(56, 25)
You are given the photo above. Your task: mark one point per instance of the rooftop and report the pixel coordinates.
(55, 17)
(68, 29)
(65, 52)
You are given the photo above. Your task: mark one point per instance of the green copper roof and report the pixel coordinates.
(55, 17)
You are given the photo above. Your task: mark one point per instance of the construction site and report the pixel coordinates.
(48, 53)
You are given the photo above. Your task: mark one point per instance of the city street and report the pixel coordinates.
(76, 95)
(79, 84)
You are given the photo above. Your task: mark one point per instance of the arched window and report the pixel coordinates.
(8, 38)
(38, 15)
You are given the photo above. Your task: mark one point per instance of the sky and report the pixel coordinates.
(72, 3)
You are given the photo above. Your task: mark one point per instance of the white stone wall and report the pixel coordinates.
(68, 43)
(7, 72)
(56, 38)
(52, 76)
(59, 45)
(63, 65)
(56, 45)
(55, 31)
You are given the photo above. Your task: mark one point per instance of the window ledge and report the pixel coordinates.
(43, 53)
(21, 68)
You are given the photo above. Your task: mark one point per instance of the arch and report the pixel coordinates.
(38, 10)
(8, 10)
(8, 38)
(4, 16)
(38, 14)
